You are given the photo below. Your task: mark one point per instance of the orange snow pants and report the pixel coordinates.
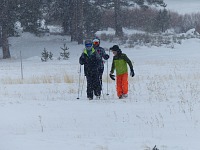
(122, 84)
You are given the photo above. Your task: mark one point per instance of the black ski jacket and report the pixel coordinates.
(91, 62)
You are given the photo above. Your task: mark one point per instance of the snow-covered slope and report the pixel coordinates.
(42, 111)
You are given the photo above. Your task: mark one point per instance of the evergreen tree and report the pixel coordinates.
(118, 4)
(65, 53)
(30, 14)
(8, 16)
(46, 55)
(78, 17)
(27, 12)
(91, 19)
(67, 13)
(162, 20)
(59, 11)
(50, 55)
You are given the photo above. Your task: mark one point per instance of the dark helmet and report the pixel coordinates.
(115, 48)
(88, 41)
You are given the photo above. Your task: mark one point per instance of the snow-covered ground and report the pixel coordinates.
(42, 112)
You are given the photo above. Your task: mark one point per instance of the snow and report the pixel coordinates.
(111, 31)
(41, 111)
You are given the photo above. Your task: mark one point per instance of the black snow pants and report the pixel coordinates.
(100, 76)
(93, 85)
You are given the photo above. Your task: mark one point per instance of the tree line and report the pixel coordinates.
(79, 18)
(82, 18)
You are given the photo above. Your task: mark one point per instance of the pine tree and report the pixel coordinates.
(8, 16)
(51, 55)
(79, 18)
(46, 55)
(65, 53)
(30, 12)
(26, 12)
(118, 7)
(91, 21)
(162, 20)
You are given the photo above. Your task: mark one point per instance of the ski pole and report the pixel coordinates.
(83, 85)
(21, 65)
(101, 87)
(79, 82)
(107, 74)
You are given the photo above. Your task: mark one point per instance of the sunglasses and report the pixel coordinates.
(95, 43)
(88, 45)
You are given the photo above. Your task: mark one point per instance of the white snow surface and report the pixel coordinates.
(42, 112)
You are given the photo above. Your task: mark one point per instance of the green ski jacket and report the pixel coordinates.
(119, 64)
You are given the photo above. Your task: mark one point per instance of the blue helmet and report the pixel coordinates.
(88, 44)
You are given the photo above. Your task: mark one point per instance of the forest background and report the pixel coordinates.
(81, 19)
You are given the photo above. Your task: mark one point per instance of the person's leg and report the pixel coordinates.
(100, 76)
(125, 84)
(96, 85)
(89, 87)
(119, 85)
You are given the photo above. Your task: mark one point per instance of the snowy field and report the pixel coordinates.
(42, 112)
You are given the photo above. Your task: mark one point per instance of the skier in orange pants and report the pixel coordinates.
(119, 63)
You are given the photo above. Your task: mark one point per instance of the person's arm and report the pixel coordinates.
(128, 61)
(104, 55)
(98, 59)
(132, 73)
(112, 71)
(82, 59)
(112, 67)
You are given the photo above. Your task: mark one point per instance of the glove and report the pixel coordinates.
(112, 76)
(82, 60)
(132, 74)
(106, 56)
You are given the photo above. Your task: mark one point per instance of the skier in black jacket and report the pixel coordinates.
(91, 59)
